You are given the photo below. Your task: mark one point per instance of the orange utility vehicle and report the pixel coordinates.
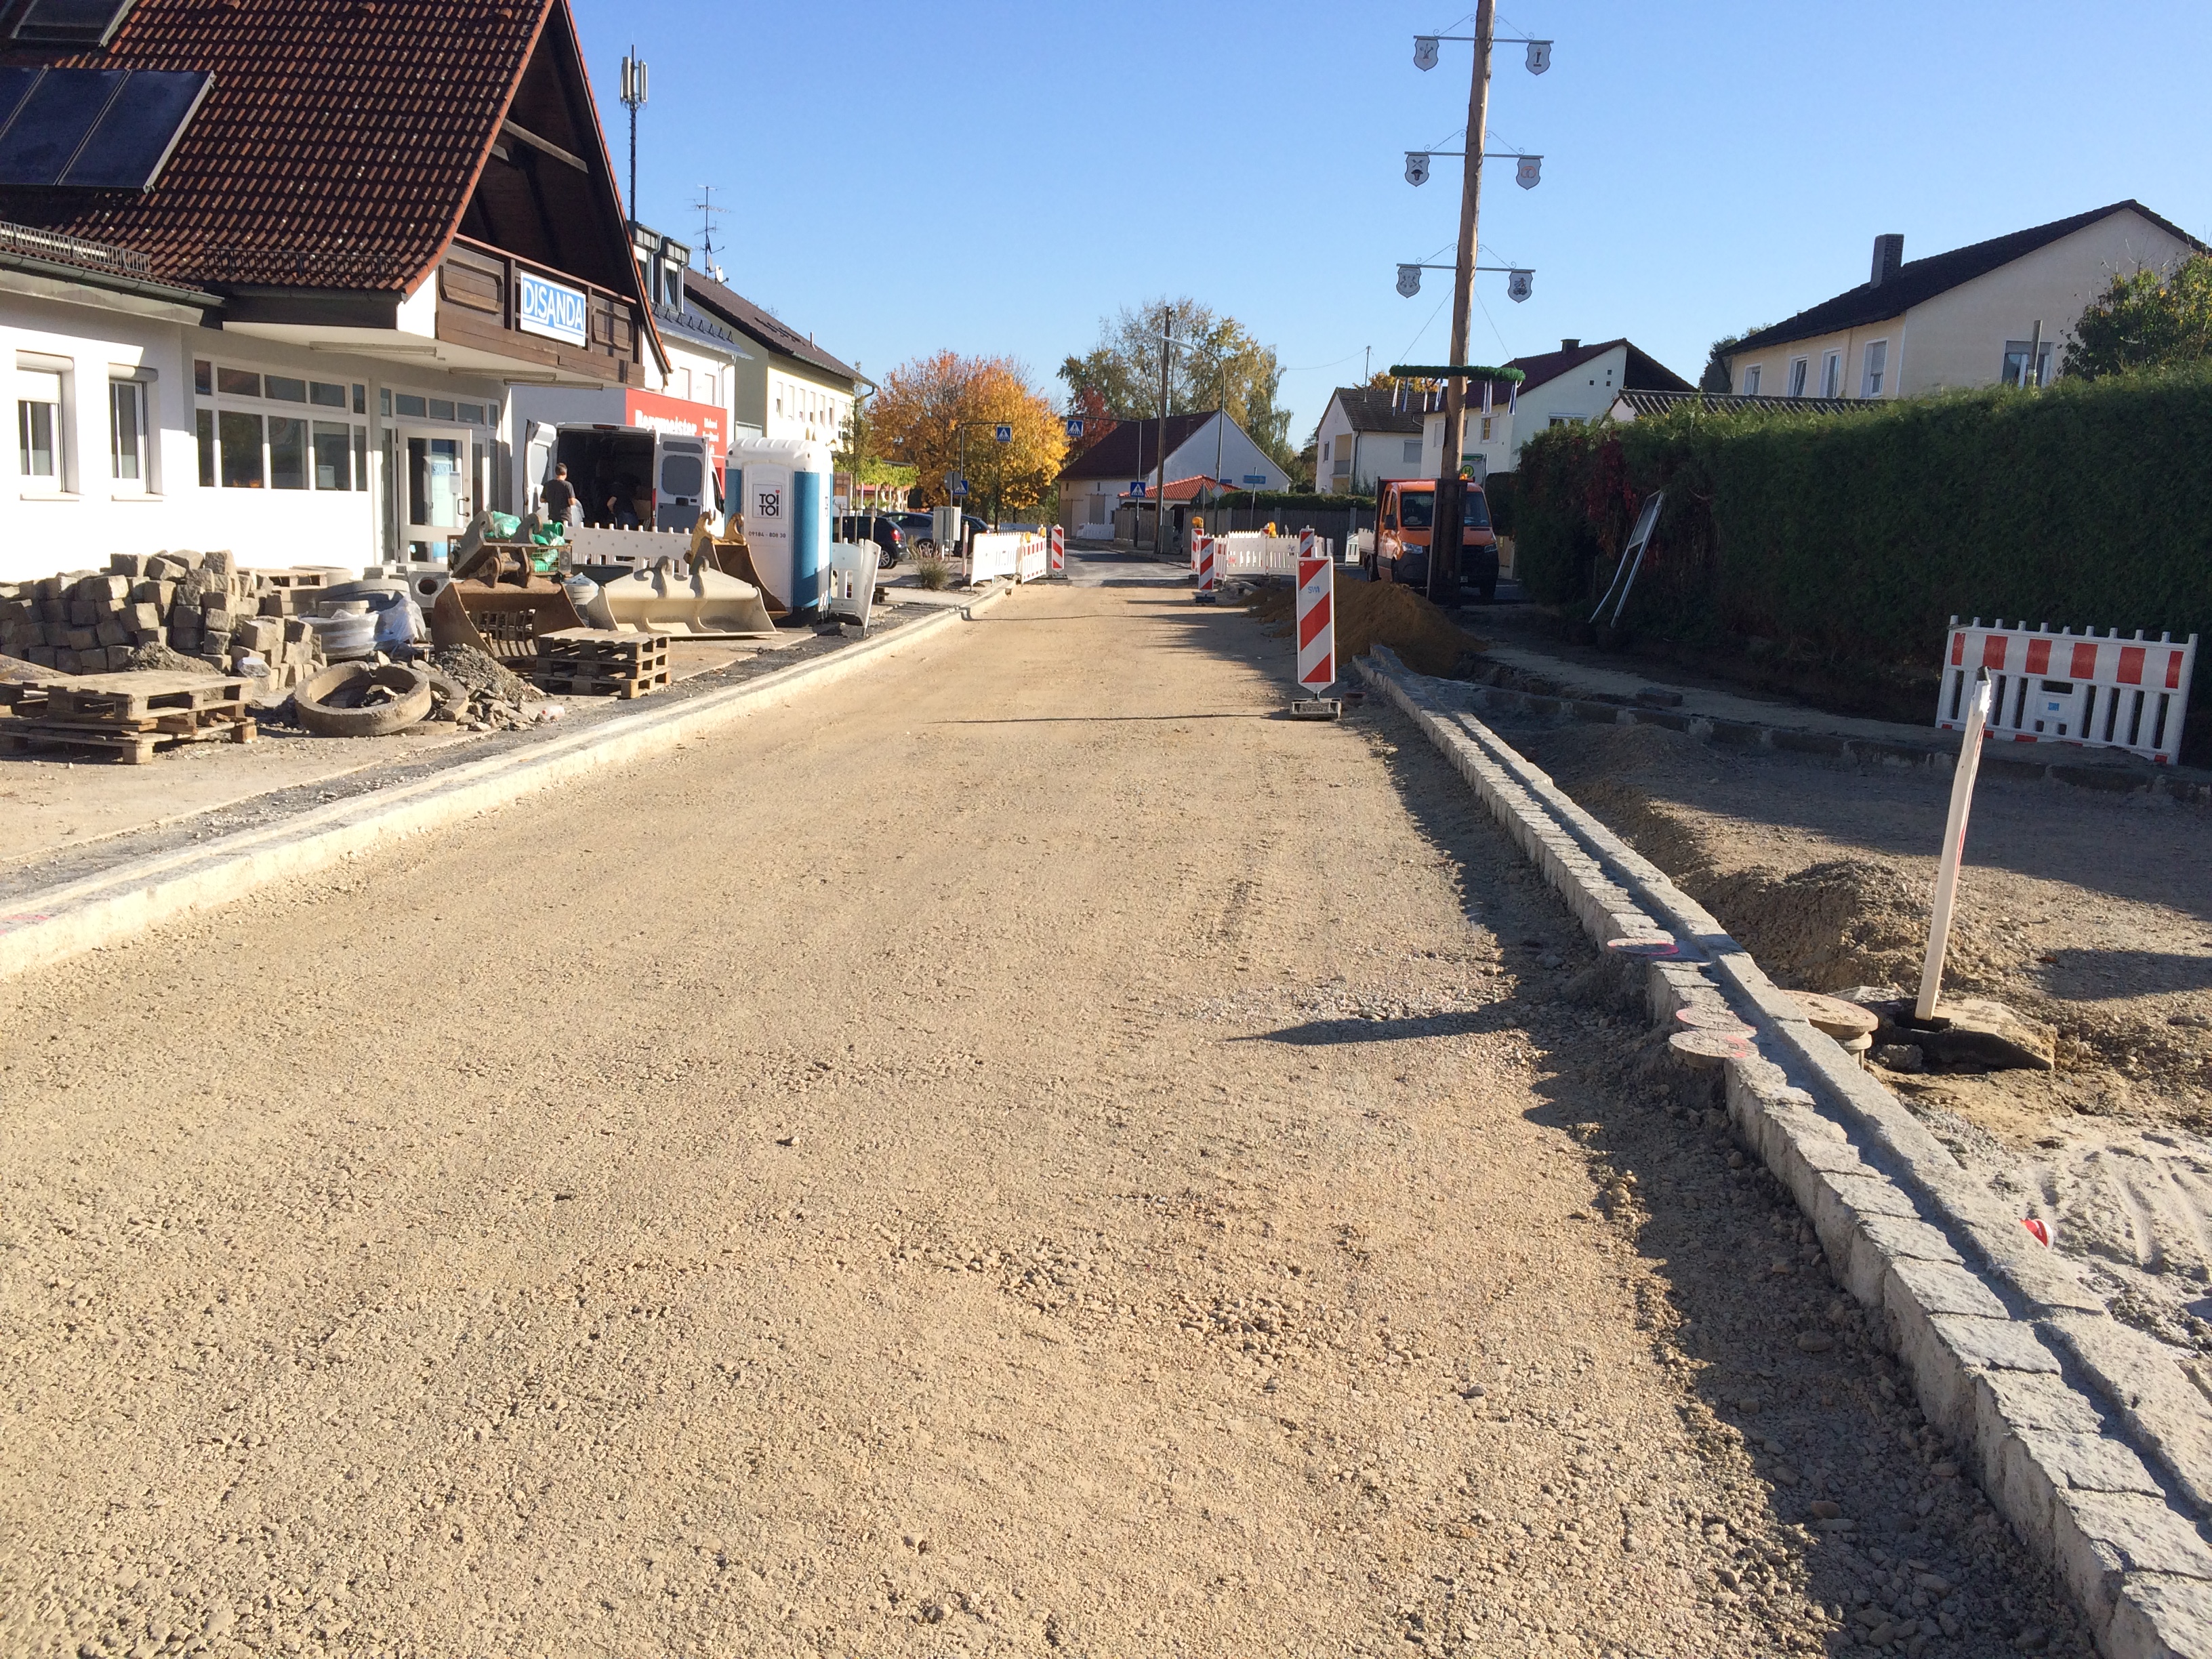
(1404, 519)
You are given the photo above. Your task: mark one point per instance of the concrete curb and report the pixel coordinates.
(53, 924)
(1938, 752)
(2088, 1437)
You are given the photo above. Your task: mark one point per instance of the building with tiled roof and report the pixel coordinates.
(293, 328)
(1972, 316)
(1124, 467)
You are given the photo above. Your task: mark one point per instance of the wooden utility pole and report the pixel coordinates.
(1160, 490)
(1470, 206)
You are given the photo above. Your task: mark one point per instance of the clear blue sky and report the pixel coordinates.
(993, 176)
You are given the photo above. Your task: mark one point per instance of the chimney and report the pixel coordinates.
(1570, 345)
(1888, 254)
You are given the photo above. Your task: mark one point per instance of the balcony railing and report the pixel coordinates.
(487, 283)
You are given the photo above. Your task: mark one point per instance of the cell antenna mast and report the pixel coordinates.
(633, 98)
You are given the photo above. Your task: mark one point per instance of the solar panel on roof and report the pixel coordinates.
(129, 148)
(93, 128)
(71, 22)
(52, 122)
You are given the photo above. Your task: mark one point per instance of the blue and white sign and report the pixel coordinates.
(1003, 432)
(1137, 487)
(959, 489)
(1075, 426)
(552, 309)
(1255, 480)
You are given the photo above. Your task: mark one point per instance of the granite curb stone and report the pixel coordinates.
(1996, 1332)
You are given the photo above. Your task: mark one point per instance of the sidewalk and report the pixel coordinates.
(61, 819)
(1519, 677)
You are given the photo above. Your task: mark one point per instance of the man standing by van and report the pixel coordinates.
(560, 496)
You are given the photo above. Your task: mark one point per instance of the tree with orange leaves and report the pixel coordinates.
(923, 405)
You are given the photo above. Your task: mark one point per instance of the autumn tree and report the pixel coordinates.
(2143, 321)
(923, 406)
(1216, 364)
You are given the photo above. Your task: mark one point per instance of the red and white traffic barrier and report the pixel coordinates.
(2100, 692)
(1316, 616)
(1058, 551)
(1202, 553)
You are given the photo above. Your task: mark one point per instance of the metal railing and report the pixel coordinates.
(72, 250)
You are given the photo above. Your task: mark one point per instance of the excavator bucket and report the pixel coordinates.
(497, 604)
(700, 605)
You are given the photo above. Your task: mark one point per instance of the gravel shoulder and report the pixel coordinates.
(1022, 1151)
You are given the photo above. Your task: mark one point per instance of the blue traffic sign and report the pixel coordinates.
(1075, 426)
(1254, 480)
(959, 488)
(1003, 433)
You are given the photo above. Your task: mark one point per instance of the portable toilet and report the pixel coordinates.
(779, 493)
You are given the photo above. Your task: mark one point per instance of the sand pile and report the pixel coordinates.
(1379, 613)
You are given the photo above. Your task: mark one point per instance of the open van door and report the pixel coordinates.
(682, 487)
(536, 464)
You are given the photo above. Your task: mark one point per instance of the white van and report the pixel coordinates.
(625, 477)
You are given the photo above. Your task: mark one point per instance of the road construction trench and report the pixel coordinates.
(1023, 1149)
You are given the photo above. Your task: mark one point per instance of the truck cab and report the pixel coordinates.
(1405, 520)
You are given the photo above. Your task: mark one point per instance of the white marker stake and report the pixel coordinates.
(1954, 844)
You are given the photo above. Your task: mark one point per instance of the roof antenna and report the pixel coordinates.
(707, 211)
(633, 97)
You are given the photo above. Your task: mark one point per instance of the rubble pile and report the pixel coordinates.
(491, 698)
(194, 605)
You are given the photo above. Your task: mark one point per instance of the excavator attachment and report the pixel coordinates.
(700, 604)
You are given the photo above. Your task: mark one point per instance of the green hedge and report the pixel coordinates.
(1853, 539)
(1295, 499)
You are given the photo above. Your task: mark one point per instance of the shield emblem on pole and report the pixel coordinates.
(1520, 284)
(1409, 280)
(1424, 52)
(1539, 56)
(1528, 171)
(1417, 167)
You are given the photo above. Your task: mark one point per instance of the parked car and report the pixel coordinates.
(920, 532)
(881, 528)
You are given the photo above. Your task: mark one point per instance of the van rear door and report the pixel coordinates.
(680, 493)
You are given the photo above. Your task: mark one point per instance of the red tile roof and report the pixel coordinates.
(338, 147)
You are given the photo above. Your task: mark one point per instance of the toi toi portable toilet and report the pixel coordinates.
(779, 493)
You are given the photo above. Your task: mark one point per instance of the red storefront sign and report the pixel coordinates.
(658, 412)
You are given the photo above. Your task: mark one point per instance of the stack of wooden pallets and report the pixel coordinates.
(598, 662)
(131, 715)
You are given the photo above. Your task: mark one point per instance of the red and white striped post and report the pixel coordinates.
(1316, 633)
(1203, 548)
(1059, 564)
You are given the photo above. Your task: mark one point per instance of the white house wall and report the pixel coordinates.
(1584, 394)
(1958, 337)
(1238, 458)
(44, 530)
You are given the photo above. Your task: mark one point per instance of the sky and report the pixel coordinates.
(994, 177)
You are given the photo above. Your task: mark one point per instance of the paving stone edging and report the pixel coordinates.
(2086, 1436)
(2109, 770)
(73, 916)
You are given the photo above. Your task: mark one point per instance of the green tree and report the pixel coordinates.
(2141, 321)
(1716, 377)
(1216, 363)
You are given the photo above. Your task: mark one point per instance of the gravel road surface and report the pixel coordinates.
(1023, 1150)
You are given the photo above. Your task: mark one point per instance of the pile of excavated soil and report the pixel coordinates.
(170, 662)
(1369, 614)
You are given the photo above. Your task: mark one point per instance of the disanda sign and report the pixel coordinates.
(551, 308)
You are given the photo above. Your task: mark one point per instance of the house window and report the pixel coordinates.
(1565, 420)
(1413, 452)
(333, 445)
(1797, 369)
(1832, 374)
(2015, 363)
(1485, 428)
(1751, 381)
(126, 433)
(1877, 362)
(203, 437)
(239, 435)
(38, 423)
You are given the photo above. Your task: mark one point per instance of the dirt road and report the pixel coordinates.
(1020, 1152)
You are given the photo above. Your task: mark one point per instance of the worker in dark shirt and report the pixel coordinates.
(560, 495)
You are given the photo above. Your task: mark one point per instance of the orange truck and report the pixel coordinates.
(1405, 518)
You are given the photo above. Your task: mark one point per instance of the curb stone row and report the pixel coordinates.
(2089, 1437)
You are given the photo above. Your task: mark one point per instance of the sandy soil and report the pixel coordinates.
(1023, 1151)
(2091, 911)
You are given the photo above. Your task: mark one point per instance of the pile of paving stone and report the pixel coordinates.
(198, 606)
(492, 698)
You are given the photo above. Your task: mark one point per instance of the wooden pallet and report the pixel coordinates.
(607, 651)
(137, 695)
(132, 748)
(567, 683)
